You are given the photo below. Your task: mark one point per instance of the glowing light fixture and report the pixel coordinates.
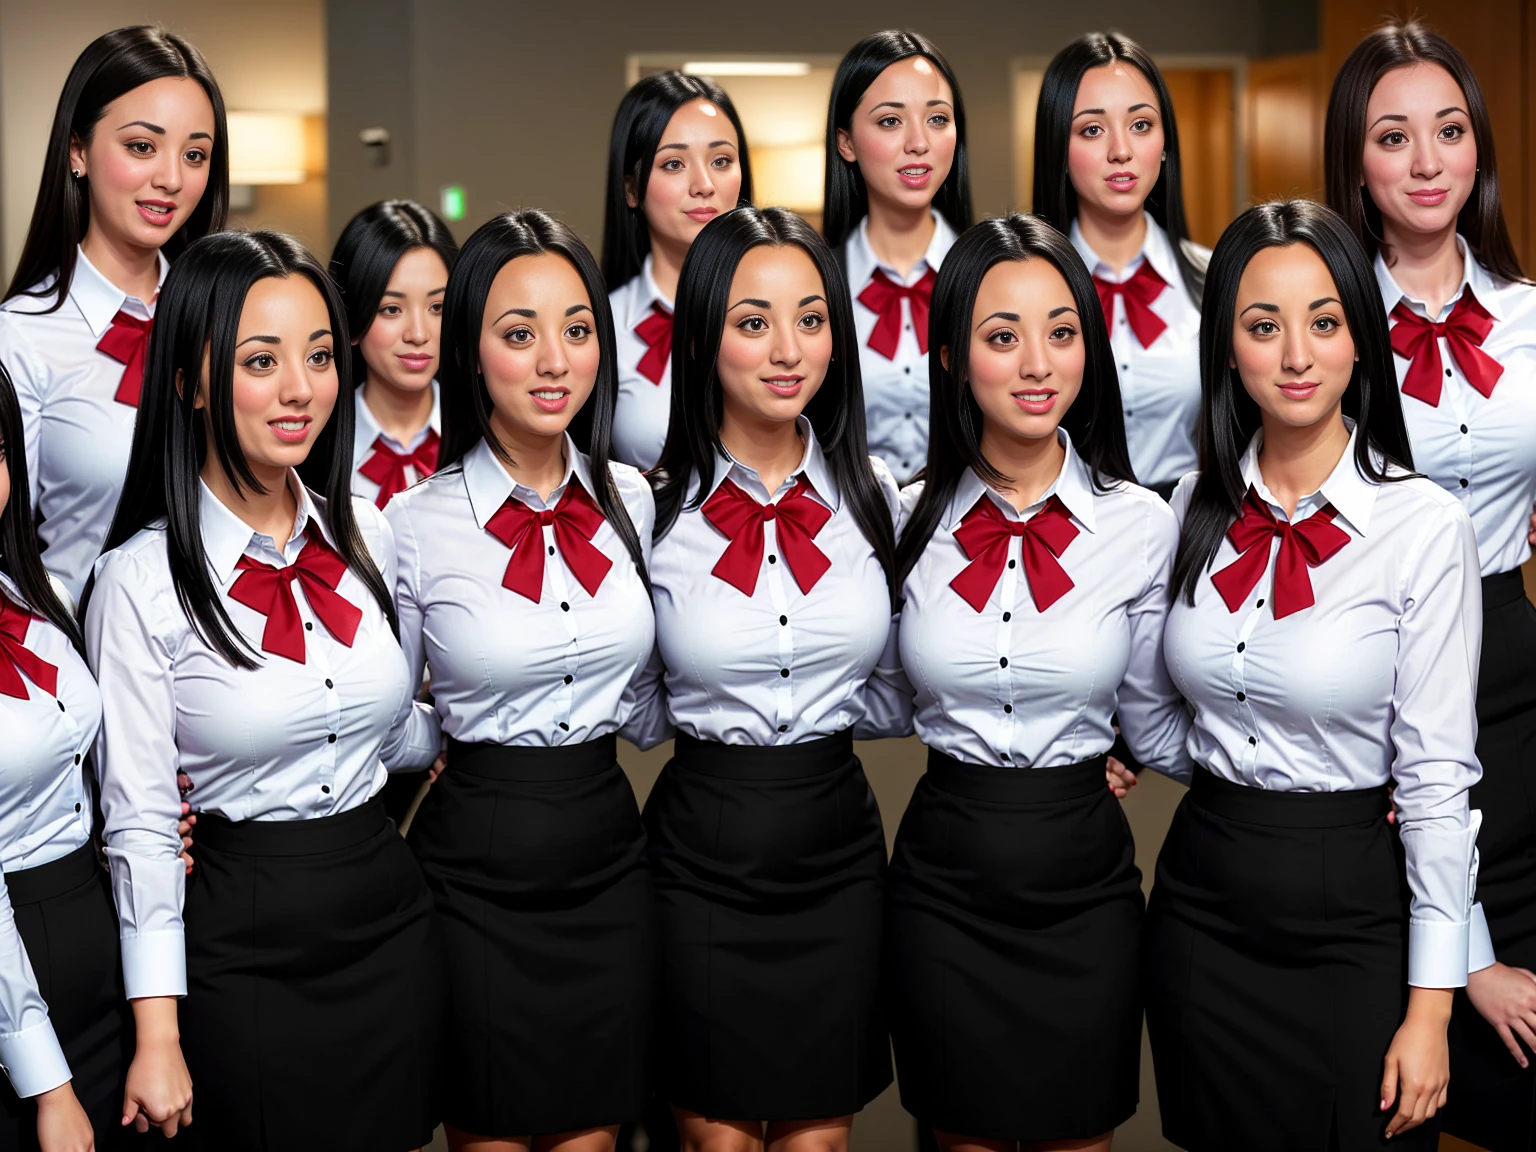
(789, 176)
(266, 148)
(747, 68)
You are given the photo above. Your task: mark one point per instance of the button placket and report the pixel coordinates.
(1007, 591)
(772, 574)
(559, 590)
(1258, 600)
(317, 662)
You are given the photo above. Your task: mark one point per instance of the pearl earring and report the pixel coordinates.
(77, 173)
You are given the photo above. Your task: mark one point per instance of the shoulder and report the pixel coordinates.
(635, 491)
(910, 495)
(430, 492)
(1419, 493)
(885, 479)
(142, 563)
(1183, 493)
(35, 300)
(377, 535)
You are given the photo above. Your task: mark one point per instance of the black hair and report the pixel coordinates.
(1393, 46)
(197, 322)
(643, 116)
(20, 558)
(1054, 197)
(1094, 421)
(111, 65)
(1229, 417)
(836, 411)
(365, 256)
(845, 200)
(466, 402)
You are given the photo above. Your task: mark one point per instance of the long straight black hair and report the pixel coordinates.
(643, 115)
(197, 322)
(845, 199)
(466, 402)
(1054, 197)
(365, 256)
(20, 558)
(1094, 421)
(111, 65)
(836, 412)
(1393, 46)
(1229, 417)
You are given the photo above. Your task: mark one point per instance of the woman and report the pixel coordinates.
(1410, 165)
(898, 189)
(1035, 590)
(137, 168)
(531, 840)
(1107, 174)
(1300, 955)
(770, 567)
(677, 158)
(241, 629)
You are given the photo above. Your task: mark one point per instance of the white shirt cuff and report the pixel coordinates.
(33, 1059)
(155, 964)
(1437, 953)
(1480, 946)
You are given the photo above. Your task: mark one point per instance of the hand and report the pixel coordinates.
(188, 822)
(1506, 998)
(1531, 535)
(159, 1089)
(437, 767)
(1121, 779)
(62, 1125)
(1417, 1069)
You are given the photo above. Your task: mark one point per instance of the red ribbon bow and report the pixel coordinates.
(126, 342)
(576, 519)
(883, 296)
(656, 331)
(16, 660)
(1302, 545)
(798, 518)
(269, 590)
(1417, 340)
(1144, 286)
(386, 467)
(984, 534)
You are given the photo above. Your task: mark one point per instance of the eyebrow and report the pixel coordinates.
(752, 301)
(1399, 118)
(401, 295)
(319, 332)
(1320, 301)
(1263, 307)
(1102, 112)
(260, 339)
(528, 312)
(1055, 312)
(685, 147)
(811, 299)
(155, 128)
(575, 308)
(1011, 317)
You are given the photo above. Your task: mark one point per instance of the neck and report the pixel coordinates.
(127, 267)
(898, 235)
(1427, 266)
(666, 264)
(1116, 239)
(271, 512)
(771, 448)
(537, 462)
(401, 414)
(1295, 461)
(1030, 465)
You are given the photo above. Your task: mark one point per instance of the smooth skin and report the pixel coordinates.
(402, 346)
(1114, 158)
(1293, 350)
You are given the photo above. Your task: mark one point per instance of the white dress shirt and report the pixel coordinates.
(1014, 687)
(895, 391)
(365, 430)
(781, 666)
(283, 741)
(1481, 449)
(644, 408)
(505, 669)
(77, 434)
(1375, 683)
(1159, 385)
(45, 814)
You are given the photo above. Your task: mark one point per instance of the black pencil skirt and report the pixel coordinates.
(536, 859)
(769, 866)
(1013, 926)
(1493, 1100)
(66, 920)
(1276, 969)
(315, 987)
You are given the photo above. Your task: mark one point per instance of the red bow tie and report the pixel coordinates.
(1303, 545)
(798, 517)
(1417, 340)
(386, 467)
(984, 534)
(269, 590)
(125, 341)
(1144, 286)
(656, 331)
(16, 660)
(575, 518)
(883, 296)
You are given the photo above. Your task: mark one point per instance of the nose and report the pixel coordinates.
(294, 384)
(553, 361)
(785, 349)
(416, 331)
(702, 185)
(1119, 144)
(915, 139)
(1296, 355)
(1426, 158)
(168, 174)
(1034, 360)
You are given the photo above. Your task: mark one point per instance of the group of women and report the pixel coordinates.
(1064, 493)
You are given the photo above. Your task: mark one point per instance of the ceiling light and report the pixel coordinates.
(747, 68)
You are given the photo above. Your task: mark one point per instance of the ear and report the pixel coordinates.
(630, 197)
(199, 397)
(845, 146)
(76, 156)
(944, 357)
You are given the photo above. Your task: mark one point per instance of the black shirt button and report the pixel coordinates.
(308, 627)
(564, 727)
(906, 415)
(1002, 662)
(551, 549)
(1261, 601)
(1253, 739)
(1241, 645)
(1013, 563)
(1008, 708)
(1447, 371)
(329, 683)
(1007, 616)
(1007, 756)
(783, 727)
(772, 559)
(565, 606)
(1125, 367)
(1129, 413)
(61, 706)
(1241, 696)
(330, 738)
(568, 679)
(326, 788)
(77, 758)
(783, 619)
(1463, 429)
(907, 370)
(1464, 481)
(77, 807)
(784, 672)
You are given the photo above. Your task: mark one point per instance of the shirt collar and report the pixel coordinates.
(1073, 484)
(1156, 250)
(490, 484)
(365, 429)
(813, 466)
(1473, 274)
(643, 296)
(226, 537)
(1351, 494)
(99, 300)
(862, 260)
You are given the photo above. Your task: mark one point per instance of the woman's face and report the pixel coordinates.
(402, 344)
(902, 134)
(777, 342)
(147, 162)
(1115, 153)
(1420, 157)
(1290, 343)
(695, 174)
(539, 352)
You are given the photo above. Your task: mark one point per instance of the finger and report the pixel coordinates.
(1526, 972)
(1511, 1043)
(186, 1115)
(1408, 1098)
(141, 1124)
(1526, 1032)
(1389, 1082)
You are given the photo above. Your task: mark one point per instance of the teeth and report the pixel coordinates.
(550, 395)
(1034, 397)
(289, 425)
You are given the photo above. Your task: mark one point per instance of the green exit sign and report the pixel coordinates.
(453, 202)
